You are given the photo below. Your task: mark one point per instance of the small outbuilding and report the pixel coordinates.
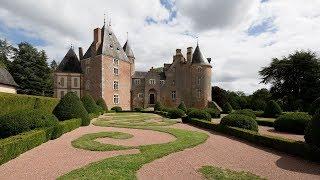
(7, 83)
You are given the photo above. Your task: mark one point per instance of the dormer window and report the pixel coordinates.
(111, 46)
(110, 33)
(152, 81)
(118, 49)
(116, 62)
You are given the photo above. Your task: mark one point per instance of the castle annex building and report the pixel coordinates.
(107, 70)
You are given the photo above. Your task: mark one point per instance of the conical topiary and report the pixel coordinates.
(101, 103)
(272, 109)
(182, 106)
(90, 104)
(312, 131)
(70, 107)
(158, 106)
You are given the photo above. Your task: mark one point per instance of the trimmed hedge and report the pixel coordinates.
(227, 108)
(272, 109)
(214, 113)
(294, 122)
(25, 120)
(265, 122)
(90, 104)
(71, 107)
(175, 113)
(101, 103)
(199, 114)
(246, 112)
(14, 102)
(138, 109)
(158, 106)
(64, 127)
(116, 108)
(258, 113)
(297, 148)
(240, 121)
(312, 131)
(314, 106)
(182, 106)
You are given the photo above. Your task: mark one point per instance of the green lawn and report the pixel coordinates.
(126, 166)
(215, 173)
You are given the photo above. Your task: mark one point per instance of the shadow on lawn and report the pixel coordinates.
(287, 162)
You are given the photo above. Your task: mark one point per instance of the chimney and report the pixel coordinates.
(97, 35)
(80, 53)
(178, 51)
(189, 54)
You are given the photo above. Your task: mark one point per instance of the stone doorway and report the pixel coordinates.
(151, 99)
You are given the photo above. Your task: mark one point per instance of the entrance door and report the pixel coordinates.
(151, 99)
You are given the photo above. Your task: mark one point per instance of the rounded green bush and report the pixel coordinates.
(138, 109)
(314, 106)
(90, 104)
(312, 131)
(240, 121)
(70, 107)
(227, 108)
(25, 120)
(214, 113)
(246, 112)
(182, 106)
(101, 103)
(116, 108)
(294, 122)
(191, 109)
(272, 109)
(200, 114)
(175, 113)
(158, 106)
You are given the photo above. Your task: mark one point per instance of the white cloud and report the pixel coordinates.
(221, 24)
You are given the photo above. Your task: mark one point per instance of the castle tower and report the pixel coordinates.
(127, 49)
(67, 76)
(200, 72)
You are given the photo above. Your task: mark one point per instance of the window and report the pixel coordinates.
(199, 93)
(161, 82)
(116, 85)
(173, 82)
(199, 80)
(152, 81)
(173, 95)
(140, 95)
(87, 85)
(116, 99)
(199, 69)
(116, 62)
(116, 71)
(75, 82)
(137, 81)
(62, 82)
(61, 94)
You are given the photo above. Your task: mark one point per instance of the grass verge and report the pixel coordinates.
(215, 173)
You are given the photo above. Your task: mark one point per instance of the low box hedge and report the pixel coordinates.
(64, 127)
(265, 122)
(293, 147)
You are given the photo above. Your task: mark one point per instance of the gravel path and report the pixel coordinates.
(227, 152)
(57, 157)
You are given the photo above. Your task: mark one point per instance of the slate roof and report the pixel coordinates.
(197, 57)
(139, 74)
(70, 63)
(6, 78)
(109, 46)
(127, 49)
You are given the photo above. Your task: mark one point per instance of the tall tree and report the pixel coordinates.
(219, 95)
(53, 65)
(6, 50)
(30, 70)
(295, 79)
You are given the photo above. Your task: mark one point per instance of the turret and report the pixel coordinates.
(127, 49)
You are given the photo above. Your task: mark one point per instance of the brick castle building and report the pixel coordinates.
(107, 70)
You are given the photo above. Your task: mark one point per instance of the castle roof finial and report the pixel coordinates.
(104, 19)
(127, 36)
(197, 40)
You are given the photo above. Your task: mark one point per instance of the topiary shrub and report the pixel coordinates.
(116, 108)
(191, 109)
(138, 109)
(314, 106)
(272, 109)
(71, 107)
(246, 112)
(158, 106)
(182, 106)
(312, 131)
(294, 122)
(240, 121)
(214, 113)
(175, 113)
(90, 104)
(25, 120)
(227, 108)
(101, 103)
(199, 114)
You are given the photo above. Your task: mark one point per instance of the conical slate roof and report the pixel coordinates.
(127, 49)
(70, 63)
(197, 57)
(6, 78)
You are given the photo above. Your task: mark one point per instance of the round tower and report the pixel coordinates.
(127, 49)
(200, 79)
